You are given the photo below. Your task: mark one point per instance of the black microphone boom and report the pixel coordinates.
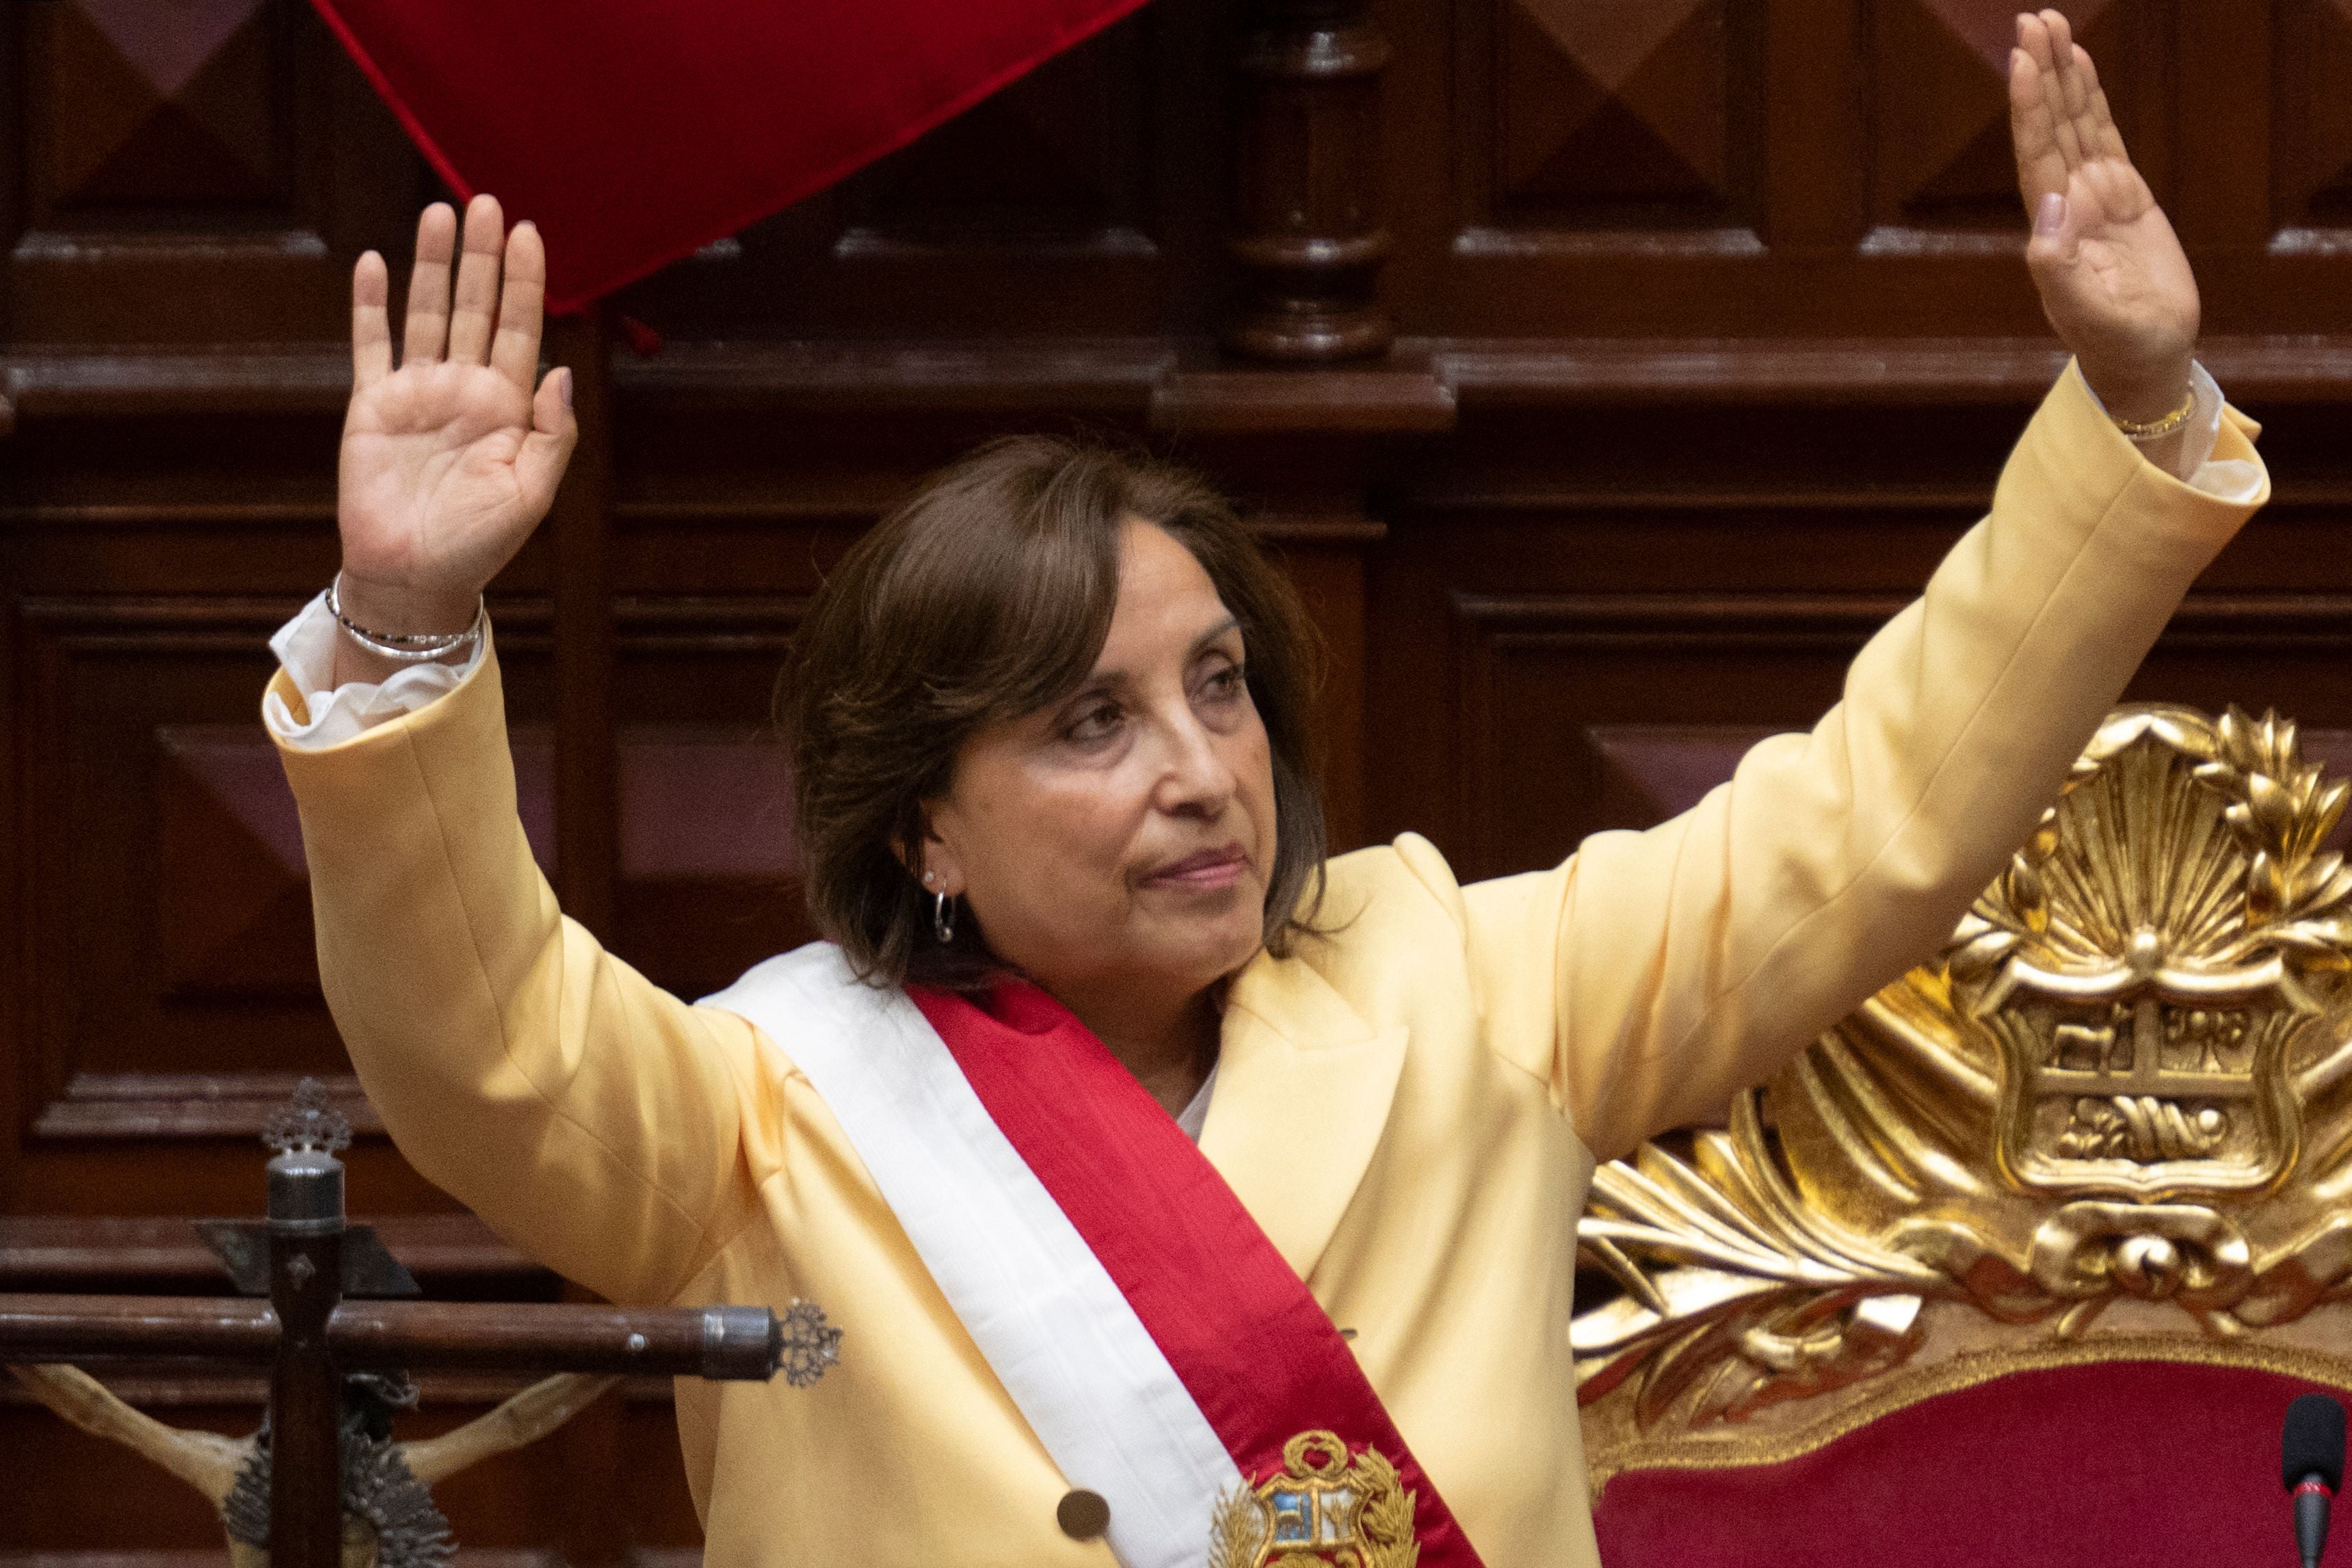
(2311, 1467)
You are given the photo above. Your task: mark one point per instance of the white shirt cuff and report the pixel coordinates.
(305, 647)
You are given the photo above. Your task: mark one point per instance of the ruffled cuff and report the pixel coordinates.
(305, 647)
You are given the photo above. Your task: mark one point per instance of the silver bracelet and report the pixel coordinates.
(405, 647)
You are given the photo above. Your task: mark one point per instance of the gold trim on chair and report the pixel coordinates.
(2114, 1118)
(1731, 1448)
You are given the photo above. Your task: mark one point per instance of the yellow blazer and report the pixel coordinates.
(1412, 1108)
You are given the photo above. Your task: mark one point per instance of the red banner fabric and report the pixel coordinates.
(633, 133)
(1251, 1345)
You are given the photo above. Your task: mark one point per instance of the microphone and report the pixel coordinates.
(2311, 1467)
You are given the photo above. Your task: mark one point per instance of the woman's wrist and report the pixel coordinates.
(2139, 394)
(396, 610)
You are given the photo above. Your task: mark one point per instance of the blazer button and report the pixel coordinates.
(1083, 1515)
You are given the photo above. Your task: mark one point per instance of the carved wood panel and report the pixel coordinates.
(1623, 116)
(1556, 732)
(109, 791)
(1939, 72)
(2312, 120)
(209, 165)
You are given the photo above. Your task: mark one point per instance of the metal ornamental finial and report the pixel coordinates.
(307, 1122)
(809, 1344)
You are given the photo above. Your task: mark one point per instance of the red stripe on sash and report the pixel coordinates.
(1255, 1349)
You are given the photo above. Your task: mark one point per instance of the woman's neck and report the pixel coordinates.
(1170, 1045)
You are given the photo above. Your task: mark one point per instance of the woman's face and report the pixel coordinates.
(1121, 837)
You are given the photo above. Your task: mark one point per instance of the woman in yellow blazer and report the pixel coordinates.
(1405, 1086)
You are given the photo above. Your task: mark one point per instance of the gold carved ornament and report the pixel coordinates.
(2112, 1118)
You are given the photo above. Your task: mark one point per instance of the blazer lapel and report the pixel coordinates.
(1302, 1093)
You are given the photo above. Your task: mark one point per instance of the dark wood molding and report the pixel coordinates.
(1416, 386)
(61, 383)
(1280, 528)
(1399, 398)
(1418, 379)
(1623, 619)
(102, 1253)
(145, 1106)
(1097, 375)
(1876, 372)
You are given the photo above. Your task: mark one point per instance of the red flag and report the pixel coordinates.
(633, 131)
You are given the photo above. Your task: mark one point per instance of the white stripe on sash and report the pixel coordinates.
(1052, 1325)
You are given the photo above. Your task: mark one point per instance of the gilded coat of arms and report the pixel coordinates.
(1323, 1508)
(2122, 1094)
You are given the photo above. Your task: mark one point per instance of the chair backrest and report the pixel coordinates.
(2112, 1122)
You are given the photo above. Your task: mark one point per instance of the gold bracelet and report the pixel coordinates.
(2155, 430)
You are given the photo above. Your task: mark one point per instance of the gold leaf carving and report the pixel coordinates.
(2122, 1087)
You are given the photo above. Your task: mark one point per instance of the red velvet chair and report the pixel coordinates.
(2023, 1262)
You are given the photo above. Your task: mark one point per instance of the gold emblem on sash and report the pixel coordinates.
(1321, 1509)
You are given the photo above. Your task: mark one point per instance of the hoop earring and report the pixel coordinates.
(943, 918)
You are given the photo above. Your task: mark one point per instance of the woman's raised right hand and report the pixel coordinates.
(449, 461)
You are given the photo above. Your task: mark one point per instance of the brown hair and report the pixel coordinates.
(987, 595)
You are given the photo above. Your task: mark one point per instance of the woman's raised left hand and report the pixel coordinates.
(2114, 279)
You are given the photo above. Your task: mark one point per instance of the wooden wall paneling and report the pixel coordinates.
(1560, 698)
(110, 790)
(1943, 251)
(191, 173)
(23, 1085)
(587, 810)
(1943, 173)
(708, 870)
(2228, 114)
(1325, 557)
(1621, 118)
(1609, 164)
(12, 185)
(2310, 145)
(166, 999)
(1814, 134)
(1548, 584)
(1417, 155)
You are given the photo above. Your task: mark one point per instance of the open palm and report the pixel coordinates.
(449, 461)
(2114, 279)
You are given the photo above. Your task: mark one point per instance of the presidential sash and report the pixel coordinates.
(1159, 1347)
